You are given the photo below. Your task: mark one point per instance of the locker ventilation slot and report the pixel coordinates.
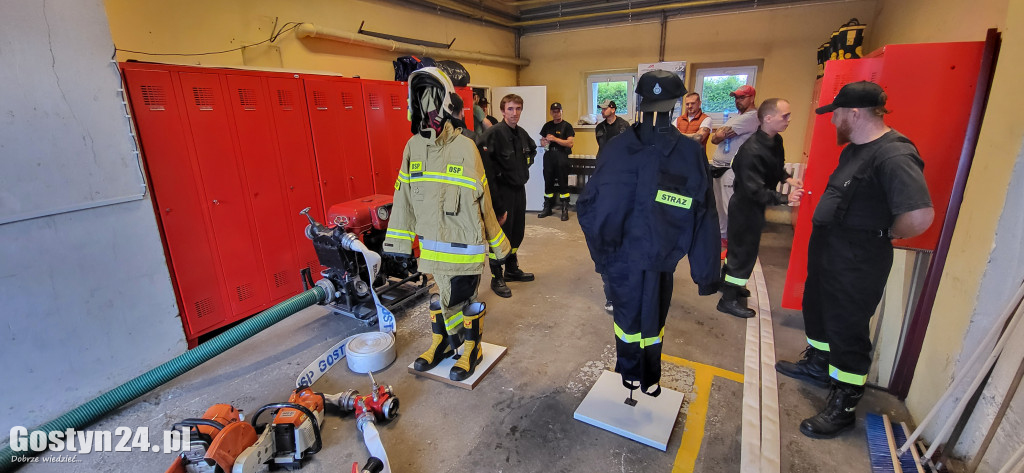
(280, 278)
(204, 307)
(203, 97)
(247, 97)
(285, 99)
(346, 100)
(244, 291)
(374, 101)
(319, 100)
(153, 97)
(396, 102)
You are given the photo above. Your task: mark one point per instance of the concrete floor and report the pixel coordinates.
(520, 417)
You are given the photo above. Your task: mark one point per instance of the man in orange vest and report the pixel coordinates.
(694, 124)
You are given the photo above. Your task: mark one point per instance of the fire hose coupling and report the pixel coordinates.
(329, 289)
(350, 239)
(314, 228)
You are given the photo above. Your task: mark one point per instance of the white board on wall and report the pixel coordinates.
(64, 134)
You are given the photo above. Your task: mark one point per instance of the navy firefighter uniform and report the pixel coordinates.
(646, 207)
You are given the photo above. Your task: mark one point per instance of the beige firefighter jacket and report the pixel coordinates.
(441, 197)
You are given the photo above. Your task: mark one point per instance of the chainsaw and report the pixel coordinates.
(215, 441)
(288, 440)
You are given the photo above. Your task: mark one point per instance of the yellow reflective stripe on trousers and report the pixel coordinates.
(549, 195)
(564, 196)
(400, 234)
(736, 281)
(636, 338)
(453, 321)
(816, 344)
(848, 378)
(496, 241)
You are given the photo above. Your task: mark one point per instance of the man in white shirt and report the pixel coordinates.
(729, 137)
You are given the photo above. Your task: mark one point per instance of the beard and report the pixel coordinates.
(843, 133)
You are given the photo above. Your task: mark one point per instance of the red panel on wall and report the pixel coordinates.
(920, 80)
(338, 124)
(291, 125)
(260, 159)
(387, 126)
(179, 202)
(206, 106)
(466, 93)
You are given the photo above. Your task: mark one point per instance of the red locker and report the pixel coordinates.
(466, 93)
(388, 129)
(291, 125)
(206, 107)
(339, 138)
(174, 178)
(260, 161)
(920, 80)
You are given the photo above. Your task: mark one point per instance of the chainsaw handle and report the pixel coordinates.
(299, 407)
(193, 423)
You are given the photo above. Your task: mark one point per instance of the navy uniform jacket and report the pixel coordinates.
(650, 205)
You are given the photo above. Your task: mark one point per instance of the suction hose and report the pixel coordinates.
(89, 412)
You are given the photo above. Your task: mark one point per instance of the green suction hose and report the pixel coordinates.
(89, 412)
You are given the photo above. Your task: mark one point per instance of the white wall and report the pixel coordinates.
(85, 296)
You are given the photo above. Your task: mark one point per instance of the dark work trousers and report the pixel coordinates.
(514, 227)
(556, 174)
(846, 274)
(641, 300)
(746, 222)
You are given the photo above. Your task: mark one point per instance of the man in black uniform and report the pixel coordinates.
(507, 152)
(611, 126)
(876, 193)
(759, 167)
(557, 137)
(458, 117)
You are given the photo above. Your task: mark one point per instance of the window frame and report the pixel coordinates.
(700, 72)
(611, 76)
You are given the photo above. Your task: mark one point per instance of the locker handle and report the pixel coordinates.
(216, 202)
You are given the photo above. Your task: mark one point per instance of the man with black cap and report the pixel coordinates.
(729, 138)
(611, 126)
(877, 193)
(649, 204)
(507, 152)
(557, 137)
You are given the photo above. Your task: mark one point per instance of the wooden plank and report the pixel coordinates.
(492, 353)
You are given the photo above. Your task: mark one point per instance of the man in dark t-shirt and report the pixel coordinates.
(557, 137)
(611, 126)
(877, 193)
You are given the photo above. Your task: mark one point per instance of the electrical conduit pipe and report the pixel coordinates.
(89, 412)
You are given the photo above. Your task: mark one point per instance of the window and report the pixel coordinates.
(615, 87)
(714, 84)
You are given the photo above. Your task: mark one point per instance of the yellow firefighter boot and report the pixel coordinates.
(473, 315)
(439, 346)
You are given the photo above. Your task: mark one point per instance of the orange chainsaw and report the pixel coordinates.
(288, 440)
(215, 441)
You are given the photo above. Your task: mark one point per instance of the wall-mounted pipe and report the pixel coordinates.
(312, 31)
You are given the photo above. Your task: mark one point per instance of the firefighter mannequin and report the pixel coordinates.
(648, 204)
(442, 204)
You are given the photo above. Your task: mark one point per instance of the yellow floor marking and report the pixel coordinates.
(697, 413)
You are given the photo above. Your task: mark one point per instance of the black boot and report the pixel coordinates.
(471, 349)
(813, 367)
(512, 271)
(440, 347)
(565, 209)
(549, 203)
(498, 281)
(839, 415)
(730, 303)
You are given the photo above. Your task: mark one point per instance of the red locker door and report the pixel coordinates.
(466, 93)
(339, 137)
(822, 159)
(387, 123)
(260, 159)
(179, 201)
(207, 110)
(291, 125)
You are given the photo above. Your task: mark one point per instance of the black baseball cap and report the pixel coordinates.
(861, 94)
(607, 104)
(556, 106)
(659, 91)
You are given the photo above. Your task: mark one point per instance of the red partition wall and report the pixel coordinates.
(922, 82)
(338, 124)
(180, 202)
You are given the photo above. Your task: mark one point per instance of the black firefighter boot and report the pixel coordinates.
(839, 415)
(472, 353)
(440, 342)
(498, 281)
(565, 209)
(812, 367)
(730, 303)
(549, 203)
(512, 271)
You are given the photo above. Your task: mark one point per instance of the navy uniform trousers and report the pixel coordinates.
(641, 300)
